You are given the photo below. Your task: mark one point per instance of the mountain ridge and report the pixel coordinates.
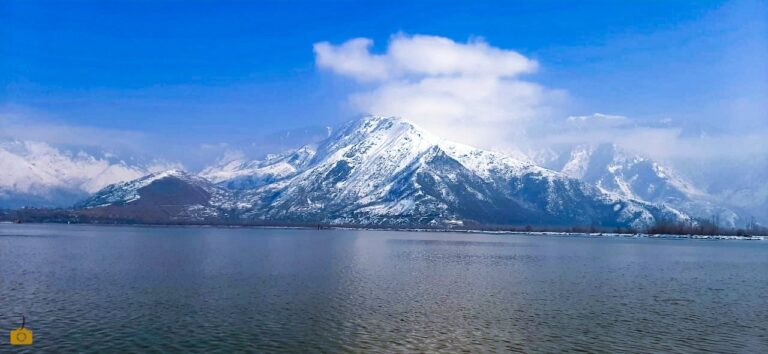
(387, 171)
(629, 175)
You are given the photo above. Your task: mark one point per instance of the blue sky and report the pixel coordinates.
(210, 72)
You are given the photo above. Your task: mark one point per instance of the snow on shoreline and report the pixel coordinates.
(467, 231)
(568, 234)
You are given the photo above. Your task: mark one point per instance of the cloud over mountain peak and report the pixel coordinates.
(467, 92)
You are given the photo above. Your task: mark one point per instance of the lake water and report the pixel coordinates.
(109, 289)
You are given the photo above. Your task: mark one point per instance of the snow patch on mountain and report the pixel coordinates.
(239, 173)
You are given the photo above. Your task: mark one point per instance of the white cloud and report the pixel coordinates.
(468, 92)
(597, 118)
(353, 58)
(422, 56)
(432, 55)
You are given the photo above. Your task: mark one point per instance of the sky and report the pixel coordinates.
(187, 80)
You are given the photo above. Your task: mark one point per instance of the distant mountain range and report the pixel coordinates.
(383, 171)
(37, 174)
(377, 171)
(615, 170)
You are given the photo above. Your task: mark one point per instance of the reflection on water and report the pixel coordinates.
(451, 242)
(107, 289)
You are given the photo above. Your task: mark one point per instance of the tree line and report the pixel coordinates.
(703, 226)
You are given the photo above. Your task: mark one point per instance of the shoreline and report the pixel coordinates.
(468, 231)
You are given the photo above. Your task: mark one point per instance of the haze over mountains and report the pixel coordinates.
(372, 171)
(615, 170)
(40, 175)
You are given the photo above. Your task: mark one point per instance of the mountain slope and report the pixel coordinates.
(241, 174)
(168, 196)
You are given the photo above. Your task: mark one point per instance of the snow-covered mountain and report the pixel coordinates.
(615, 170)
(387, 171)
(38, 174)
(168, 196)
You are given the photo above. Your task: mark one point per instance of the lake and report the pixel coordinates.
(197, 289)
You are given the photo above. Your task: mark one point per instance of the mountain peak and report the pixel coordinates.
(173, 187)
(174, 172)
(376, 119)
(373, 124)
